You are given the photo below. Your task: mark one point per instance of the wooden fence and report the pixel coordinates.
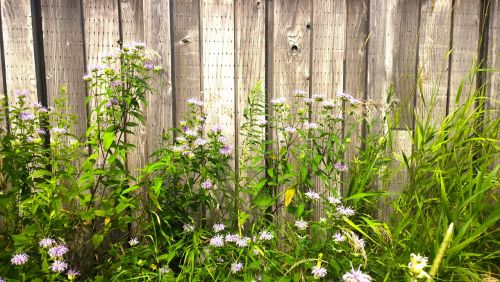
(218, 49)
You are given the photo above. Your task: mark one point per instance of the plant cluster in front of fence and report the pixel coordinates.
(289, 208)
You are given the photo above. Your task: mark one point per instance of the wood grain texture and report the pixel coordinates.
(493, 89)
(465, 44)
(64, 56)
(250, 68)
(355, 68)
(218, 65)
(328, 51)
(132, 24)
(434, 47)
(18, 49)
(187, 75)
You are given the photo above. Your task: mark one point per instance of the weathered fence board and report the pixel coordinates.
(18, 51)
(64, 56)
(493, 89)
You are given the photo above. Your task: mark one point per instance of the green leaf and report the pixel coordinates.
(108, 138)
(97, 240)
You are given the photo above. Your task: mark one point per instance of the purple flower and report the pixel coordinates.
(200, 142)
(134, 241)
(318, 97)
(72, 274)
(41, 131)
(227, 150)
(334, 200)
(58, 266)
(232, 237)
(290, 129)
(328, 104)
(148, 66)
(344, 96)
(299, 93)
(59, 130)
(242, 242)
(265, 236)
(58, 251)
(95, 68)
(301, 224)
(137, 45)
(280, 101)
(261, 120)
(338, 237)
(308, 101)
(46, 242)
(116, 83)
(217, 241)
(340, 167)
(194, 102)
(216, 129)
(19, 259)
(87, 77)
(356, 276)
(318, 272)
(112, 102)
(219, 227)
(26, 116)
(207, 184)
(312, 195)
(345, 211)
(191, 132)
(236, 267)
(164, 270)
(21, 93)
(2, 279)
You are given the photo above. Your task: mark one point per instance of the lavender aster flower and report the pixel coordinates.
(134, 241)
(334, 200)
(26, 116)
(95, 68)
(290, 129)
(308, 101)
(216, 129)
(41, 131)
(72, 274)
(301, 224)
(227, 150)
(312, 195)
(21, 93)
(58, 130)
(217, 241)
(2, 279)
(242, 242)
(200, 142)
(148, 66)
(318, 97)
(19, 259)
(328, 104)
(116, 83)
(299, 93)
(318, 272)
(345, 211)
(341, 167)
(58, 266)
(265, 236)
(261, 120)
(112, 102)
(207, 184)
(232, 237)
(191, 133)
(87, 77)
(356, 276)
(194, 102)
(280, 101)
(58, 251)
(46, 242)
(219, 227)
(338, 237)
(188, 228)
(236, 267)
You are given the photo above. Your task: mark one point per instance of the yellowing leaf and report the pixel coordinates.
(290, 191)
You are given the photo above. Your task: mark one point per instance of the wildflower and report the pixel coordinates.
(116, 83)
(58, 266)
(356, 276)
(232, 237)
(200, 142)
(19, 259)
(194, 102)
(227, 150)
(137, 45)
(95, 68)
(87, 77)
(112, 102)
(207, 184)
(219, 227)
(242, 242)
(220, 259)
(21, 93)
(216, 129)
(417, 265)
(339, 117)
(46, 242)
(301, 224)
(188, 227)
(328, 104)
(290, 129)
(318, 271)
(338, 237)
(26, 116)
(236, 267)
(41, 131)
(344, 96)
(217, 241)
(310, 125)
(180, 148)
(58, 130)
(308, 101)
(164, 270)
(318, 97)
(30, 139)
(58, 251)
(280, 101)
(299, 93)
(345, 211)
(265, 236)
(191, 132)
(341, 167)
(255, 252)
(334, 200)
(222, 139)
(261, 121)
(359, 244)
(72, 274)
(148, 66)
(189, 154)
(134, 241)
(312, 195)
(354, 101)
(2, 279)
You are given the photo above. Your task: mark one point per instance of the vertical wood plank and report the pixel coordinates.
(218, 65)
(18, 48)
(186, 76)
(464, 50)
(132, 22)
(355, 65)
(64, 57)
(493, 89)
(159, 112)
(328, 51)
(434, 46)
(250, 43)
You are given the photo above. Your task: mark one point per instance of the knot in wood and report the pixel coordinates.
(186, 40)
